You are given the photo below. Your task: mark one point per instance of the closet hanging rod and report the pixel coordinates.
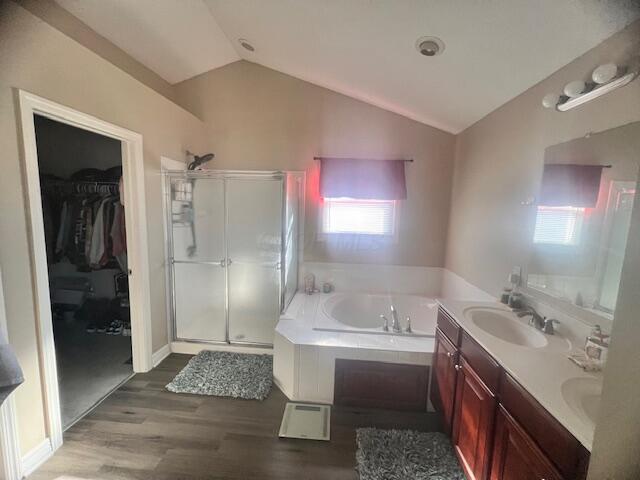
(407, 160)
(79, 182)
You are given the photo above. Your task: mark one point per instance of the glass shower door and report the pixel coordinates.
(254, 237)
(198, 258)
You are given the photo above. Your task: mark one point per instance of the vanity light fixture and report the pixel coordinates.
(605, 79)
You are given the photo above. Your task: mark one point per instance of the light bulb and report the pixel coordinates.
(605, 73)
(550, 100)
(574, 89)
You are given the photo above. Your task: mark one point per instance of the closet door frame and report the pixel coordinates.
(138, 259)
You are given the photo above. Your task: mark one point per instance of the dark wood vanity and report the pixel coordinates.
(498, 430)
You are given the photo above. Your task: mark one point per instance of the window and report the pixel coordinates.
(359, 217)
(558, 225)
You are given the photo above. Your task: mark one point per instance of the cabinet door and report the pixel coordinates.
(444, 379)
(473, 417)
(516, 456)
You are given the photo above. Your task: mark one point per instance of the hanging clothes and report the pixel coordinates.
(119, 236)
(86, 224)
(96, 249)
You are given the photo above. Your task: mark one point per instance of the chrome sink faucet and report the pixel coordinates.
(395, 323)
(536, 319)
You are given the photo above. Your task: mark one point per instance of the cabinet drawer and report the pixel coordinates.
(562, 448)
(392, 386)
(482, 363)
(448, 326)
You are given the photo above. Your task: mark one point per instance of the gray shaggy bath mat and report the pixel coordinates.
(405, 455)
(226, 374)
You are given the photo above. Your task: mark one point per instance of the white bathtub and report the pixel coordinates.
(360, 313)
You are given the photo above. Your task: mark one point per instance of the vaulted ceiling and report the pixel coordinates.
(494, 49)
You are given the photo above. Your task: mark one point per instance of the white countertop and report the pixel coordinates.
(541, 371)
(297, 323)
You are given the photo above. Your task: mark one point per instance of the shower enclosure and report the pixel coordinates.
(233, 252)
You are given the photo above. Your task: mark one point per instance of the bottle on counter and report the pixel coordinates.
(597, 346)
(310, 284)
(515, 300)
(504, 297)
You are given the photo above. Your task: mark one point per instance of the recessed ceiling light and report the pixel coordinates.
(429, 46)
(246, 45)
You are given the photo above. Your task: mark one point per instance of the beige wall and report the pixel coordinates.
(258, 118)
(65, 22)
(37, 58)
(499, 164)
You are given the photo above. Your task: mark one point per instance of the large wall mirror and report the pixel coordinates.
(583, 213)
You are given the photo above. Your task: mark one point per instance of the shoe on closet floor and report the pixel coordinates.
(115, 328)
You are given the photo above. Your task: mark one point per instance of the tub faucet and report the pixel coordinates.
(385, 323)
(395, 324)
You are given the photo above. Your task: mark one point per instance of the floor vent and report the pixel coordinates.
(307, 421)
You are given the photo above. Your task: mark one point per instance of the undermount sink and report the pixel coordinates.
(582, 394)
(508, 329)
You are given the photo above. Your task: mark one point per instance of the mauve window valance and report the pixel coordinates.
(362, 179)
(565, 185)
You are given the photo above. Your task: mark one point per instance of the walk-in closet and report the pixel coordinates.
(84, 219)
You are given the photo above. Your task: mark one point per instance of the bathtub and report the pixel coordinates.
(360, 313)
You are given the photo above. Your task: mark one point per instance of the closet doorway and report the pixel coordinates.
(85, 235)
(67, 296)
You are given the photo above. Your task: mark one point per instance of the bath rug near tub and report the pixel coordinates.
(405, 455)
(226, 374)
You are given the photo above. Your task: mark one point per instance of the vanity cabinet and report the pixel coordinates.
(498, 430)
(473, 415)
(516, 455)
(443, 388)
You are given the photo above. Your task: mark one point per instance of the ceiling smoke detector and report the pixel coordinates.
(429, 46)
(246, 45)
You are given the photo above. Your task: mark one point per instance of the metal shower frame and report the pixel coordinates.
(228, 175)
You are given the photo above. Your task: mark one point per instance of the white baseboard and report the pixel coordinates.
(160, 354)
(36, 457)
(193, 348)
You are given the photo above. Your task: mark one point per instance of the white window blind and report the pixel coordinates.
(558, 225)
(365, 217)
